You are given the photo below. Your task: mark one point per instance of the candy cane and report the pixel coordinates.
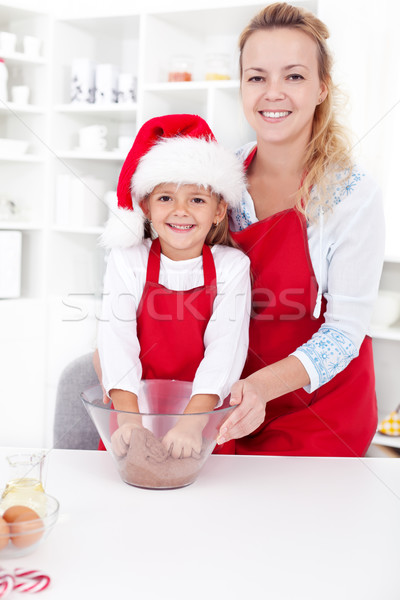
(7, 582)
(35, 581)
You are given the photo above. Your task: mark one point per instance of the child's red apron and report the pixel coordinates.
(338, 419)
(171, 324)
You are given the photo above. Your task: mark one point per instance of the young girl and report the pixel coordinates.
(177, 294)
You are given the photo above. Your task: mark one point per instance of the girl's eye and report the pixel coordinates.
(295, 77)
(164, 198)
(198, 200)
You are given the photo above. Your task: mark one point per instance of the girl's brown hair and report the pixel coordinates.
(329, 148)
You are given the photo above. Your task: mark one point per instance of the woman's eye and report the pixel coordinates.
(256, 78)
(295, 77)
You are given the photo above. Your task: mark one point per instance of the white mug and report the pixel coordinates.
(8, 41)
(126, 88)
(93, 138)
(31, 45)
(106, 84)
(20, 94)
(82, 80)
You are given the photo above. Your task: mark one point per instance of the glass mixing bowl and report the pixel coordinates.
(146, 461)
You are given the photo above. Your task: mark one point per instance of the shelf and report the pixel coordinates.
(104, 110)
(386, 440)
(19, 58)
(109, 156)
(20, 226)
(180, 86)
(79, 230)
(24, 158)
(392, 259)
(22, 109)
(386, 333)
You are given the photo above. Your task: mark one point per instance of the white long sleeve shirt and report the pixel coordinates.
(347, 251)
(226, 335)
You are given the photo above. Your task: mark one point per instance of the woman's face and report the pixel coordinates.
(280, 85)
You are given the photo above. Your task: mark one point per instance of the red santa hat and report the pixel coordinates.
(177, 149)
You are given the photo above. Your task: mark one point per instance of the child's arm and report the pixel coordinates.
(124, 401)
(186, 436)
(118, 345)
(227, 333)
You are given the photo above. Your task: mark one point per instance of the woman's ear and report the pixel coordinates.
(323, 92)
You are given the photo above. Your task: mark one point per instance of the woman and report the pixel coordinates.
(312, 225)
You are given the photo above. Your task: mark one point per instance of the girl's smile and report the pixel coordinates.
(182, 216)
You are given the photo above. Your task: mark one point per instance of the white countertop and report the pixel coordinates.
(281, 528)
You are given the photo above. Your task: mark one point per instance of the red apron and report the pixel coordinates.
(338, 419)
(171, 324)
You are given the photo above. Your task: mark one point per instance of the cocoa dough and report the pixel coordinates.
(148, 464)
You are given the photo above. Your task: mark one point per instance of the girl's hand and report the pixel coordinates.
(121, 437)
(185, 438)
(249, 397)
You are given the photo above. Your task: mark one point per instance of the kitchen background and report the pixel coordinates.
(62, 144)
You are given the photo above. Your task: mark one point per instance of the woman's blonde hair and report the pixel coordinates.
(329, 149)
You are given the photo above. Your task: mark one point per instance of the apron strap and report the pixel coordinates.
(210, 275)
(153, 262)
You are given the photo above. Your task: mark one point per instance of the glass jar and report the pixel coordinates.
(217, 67)
(180, 69)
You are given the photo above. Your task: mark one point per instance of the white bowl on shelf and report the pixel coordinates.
(10, 147)
(386, 310)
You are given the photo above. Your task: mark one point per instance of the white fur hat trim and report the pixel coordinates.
(189, 160)
(124, 228)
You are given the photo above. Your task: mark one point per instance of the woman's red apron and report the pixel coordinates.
(171, 324)
(338, 419)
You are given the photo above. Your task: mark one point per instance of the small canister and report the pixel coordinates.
(181, 69)
(217, 67)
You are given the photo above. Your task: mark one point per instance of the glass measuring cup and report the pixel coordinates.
(25, 484)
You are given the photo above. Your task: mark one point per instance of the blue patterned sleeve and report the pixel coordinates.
(325, 355)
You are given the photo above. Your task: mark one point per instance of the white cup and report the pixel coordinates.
(106, 84)
(82, 80)
(8, 41)
(126, 88)
(31, 45)
(93, 138)
(20, 94)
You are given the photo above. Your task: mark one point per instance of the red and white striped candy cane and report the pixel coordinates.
(7, 582)
(33, 581)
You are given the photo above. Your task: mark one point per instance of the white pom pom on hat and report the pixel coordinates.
(177, 149)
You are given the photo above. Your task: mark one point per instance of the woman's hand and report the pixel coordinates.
(252, 394)
(248, 396)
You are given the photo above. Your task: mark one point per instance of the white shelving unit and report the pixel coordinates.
(62, 266)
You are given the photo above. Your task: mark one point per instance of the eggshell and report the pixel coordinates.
(16, 511)
(4, 533)
(21, 527)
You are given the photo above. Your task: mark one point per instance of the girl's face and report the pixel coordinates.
(182, 217)
(280, 85)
